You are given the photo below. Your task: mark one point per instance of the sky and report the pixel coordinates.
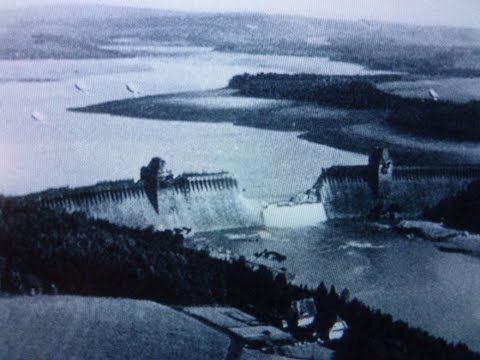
(425, 12)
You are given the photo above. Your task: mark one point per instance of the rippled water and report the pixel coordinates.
(408, 278)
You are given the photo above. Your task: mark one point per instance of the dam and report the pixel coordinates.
(213, 201)
(381, 189)
(200, 201)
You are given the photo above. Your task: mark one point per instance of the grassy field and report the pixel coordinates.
(452, 89)
(67, 327)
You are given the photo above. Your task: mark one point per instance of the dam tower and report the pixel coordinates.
(380, 173)
(154, 176)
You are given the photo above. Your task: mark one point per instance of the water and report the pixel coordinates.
(408, 278)
(79, 149)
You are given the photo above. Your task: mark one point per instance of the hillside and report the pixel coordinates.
(67, 327)
(461, 211)
(43, 251)
(84, 31)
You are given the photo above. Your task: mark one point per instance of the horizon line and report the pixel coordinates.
(240, 12)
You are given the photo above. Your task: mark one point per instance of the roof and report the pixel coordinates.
(305, 307)
(261, 333)
(239, 324)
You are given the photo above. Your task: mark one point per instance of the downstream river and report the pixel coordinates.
(408, 278)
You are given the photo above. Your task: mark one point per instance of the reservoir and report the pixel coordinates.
(408, 278)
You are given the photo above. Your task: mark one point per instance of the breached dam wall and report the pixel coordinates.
(202, 202)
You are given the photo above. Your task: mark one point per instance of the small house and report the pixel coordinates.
(306, 312)
(338, 329)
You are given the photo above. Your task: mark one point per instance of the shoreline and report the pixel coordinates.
(329, 126)
(445, 239)
(353, 142)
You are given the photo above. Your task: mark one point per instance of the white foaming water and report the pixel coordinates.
(361, 245)
(240, 236)
(295, 215)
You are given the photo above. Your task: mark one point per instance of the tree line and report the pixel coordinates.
(48, 251)
(443, 119)
(461, 211)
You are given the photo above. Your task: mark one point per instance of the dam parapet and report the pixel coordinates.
(380, 188)
(201, 201)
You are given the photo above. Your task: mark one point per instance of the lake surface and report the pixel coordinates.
(75, 149)
(408, 278)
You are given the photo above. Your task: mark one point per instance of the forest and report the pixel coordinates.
(461, 211)
(437, 119)
(51, 252)
(351, 92)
